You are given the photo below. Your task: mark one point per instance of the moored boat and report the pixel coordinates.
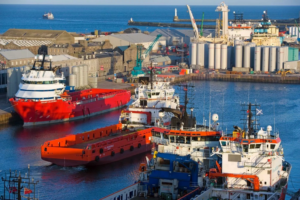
(42, 97)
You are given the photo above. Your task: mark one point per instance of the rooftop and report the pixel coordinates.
(32, 33)
(179, 32)
(135, 37)
(63, 57)
(16, 54)
(25, 43)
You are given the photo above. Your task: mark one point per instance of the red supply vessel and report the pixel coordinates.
(42, 97)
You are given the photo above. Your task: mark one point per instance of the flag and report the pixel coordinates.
(12, 189)
(185, 89)
(27, 191)
(259, 111)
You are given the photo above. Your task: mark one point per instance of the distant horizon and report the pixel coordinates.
(140, 5)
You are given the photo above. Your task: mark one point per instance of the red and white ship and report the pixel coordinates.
(42, 98)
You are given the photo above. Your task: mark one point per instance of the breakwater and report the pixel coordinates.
(176, 25)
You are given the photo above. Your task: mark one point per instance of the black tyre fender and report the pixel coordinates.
(131, 148)
(101, 151)
(139, 145)
(112, 153)
(97, 158)
(121, 151)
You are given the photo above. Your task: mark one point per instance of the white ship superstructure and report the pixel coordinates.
(150, 100)
(252, 166)
(41, 84)
(48, 16)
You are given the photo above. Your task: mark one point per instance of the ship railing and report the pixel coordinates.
(192, 128)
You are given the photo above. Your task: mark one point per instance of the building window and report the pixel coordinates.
(16, 62)
(12, 63)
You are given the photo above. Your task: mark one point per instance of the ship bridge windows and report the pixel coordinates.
(188, 140)
(165, 136)
(257, 146)
(180, 139)
(245, 148)
(252, 146)
(172, 139)
(38, 82)
(223, 143)
(196, 138)
(273, 146)
(156, 134)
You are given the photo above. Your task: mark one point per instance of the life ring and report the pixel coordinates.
(101, 151)
(112, 153)
(139, 145)
(131, 148)
(121, 151)
(97, 158)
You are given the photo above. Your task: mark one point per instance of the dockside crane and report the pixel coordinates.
(137, 70)
(201, 30)
(195, 28)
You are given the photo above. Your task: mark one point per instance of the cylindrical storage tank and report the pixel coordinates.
(285, 53)
(217, 56)
(272, 61)
(200, 55)
(247, 56)
(224, 56)
(81, 76)
(238, 55)
(9, 81)
(280, 55)
(17, 80)
(265, 59)
(238, 42)
(290, 30)
(257, 59)
(193, 54)
(85, 75)
(72, 80)
(211, 57)
(75, 70)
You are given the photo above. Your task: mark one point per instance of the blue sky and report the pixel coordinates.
(154, 2)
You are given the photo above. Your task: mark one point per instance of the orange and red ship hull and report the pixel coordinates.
(79, 105)
(97, 147)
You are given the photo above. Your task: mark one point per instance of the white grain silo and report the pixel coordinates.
(211, 56)
(238, 55)
(247, 56)
(285, 53)
(257, 59)
(17, 79)
(81, 75)
(217, 56)
(72, 80)
(224, 57)
(272, 61)
(75, 70)
(85, 75)
(200, 55)
(280, 56)
(9, 82)
(193, 55)
(265, 59)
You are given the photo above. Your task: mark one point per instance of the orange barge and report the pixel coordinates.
(97, 147)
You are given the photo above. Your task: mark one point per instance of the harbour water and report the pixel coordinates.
(21, 146)
(84, 19)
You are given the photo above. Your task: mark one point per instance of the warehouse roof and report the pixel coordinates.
(16, 54)
(135, 37)
(123, 48)
(32, 33)
(25, 43)
(63, 57)
(179, 32)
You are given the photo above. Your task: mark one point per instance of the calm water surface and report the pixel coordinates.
(21, 146)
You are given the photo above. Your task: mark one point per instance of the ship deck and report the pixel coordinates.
(114, 135)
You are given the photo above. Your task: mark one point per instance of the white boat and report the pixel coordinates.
(48, 15)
